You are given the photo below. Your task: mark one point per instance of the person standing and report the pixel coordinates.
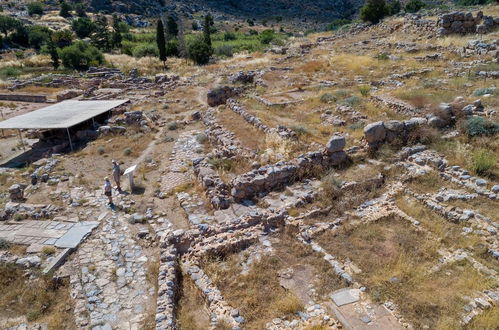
(108, 190)
(117, 174)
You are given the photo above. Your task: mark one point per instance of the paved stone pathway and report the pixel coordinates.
(59, 234)
(185, 151)
(109, 286)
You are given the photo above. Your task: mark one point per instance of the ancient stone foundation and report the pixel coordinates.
(463, 23)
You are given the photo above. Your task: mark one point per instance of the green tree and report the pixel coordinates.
(373, 11)
(62, 38)
(65, 9)
(414, 6)
(172, 48)
(116, 37)
(38, 35)
(267, 36)
(9, 24)
(161, 41)
(394, 7)
(83, 27)
(54, 55)
(171, 27)
(101, 38)
(80, 56)
(199, 51)
(80, 10)
(208, 22)
(35, 8)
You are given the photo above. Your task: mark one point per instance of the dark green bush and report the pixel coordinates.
(476, 126)
(224, 51)
(414, 6)
(38, 35)
(394, 7)
(229, 36)
(373, 11)
(35, 8)
(172, 48)
(472, 2)
(65, 9)
(83, 27)
(267, 36)
(143, 50)
(337, 23)
(199, 51)
(81, 56)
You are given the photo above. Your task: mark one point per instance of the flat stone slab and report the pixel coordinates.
(345, 296)
(73, 237)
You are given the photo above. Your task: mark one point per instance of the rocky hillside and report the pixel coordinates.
(314, 11)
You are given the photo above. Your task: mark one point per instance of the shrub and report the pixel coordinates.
(267, 36)
(9, 72)
(62, 38)
(65, 9)
(330, 188)
(127, 152)
(483, 161)
(337, 23)
(299, 130)
(172, 48)
(201, 138)
(373, 11)
(4, 245)
(328, 98)
(143, 50)
(477, 126)
(351, 101)
(222, 164)
(83, 27)
(229, 36)
(101, 150)
(38, 35)
(414, 6)
(199, 51)
(484, 91)
(224, 51)
(35, 8)
(81, 56)
(471, 2)
(48, 250)
(172, 126)
(364, 90)
(394, 7)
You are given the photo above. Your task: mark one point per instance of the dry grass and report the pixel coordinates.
(486, 321)
(394, 259)
(41, 299)
(356, 64)
(449, 234)
(192, 312)
(32, 61)
(145, 65)
(245, 292)
(249, 136)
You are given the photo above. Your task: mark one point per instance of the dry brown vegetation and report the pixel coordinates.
(394, 259)
(42, 299)
(192, 313)
(245, 291)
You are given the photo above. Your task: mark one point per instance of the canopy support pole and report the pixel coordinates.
(21, 137)
(69, 136)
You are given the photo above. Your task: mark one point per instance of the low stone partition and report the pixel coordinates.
(167, 288)
(281, 130)
(462, 23)
(267, 178)
(389, 131)
(217, 190)
(24, 98)
(226, 141)
(396, 105)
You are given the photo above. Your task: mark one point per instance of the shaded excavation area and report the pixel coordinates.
(56, 128)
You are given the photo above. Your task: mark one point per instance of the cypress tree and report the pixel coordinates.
(208, 22)
(54, 55)
(160, 40)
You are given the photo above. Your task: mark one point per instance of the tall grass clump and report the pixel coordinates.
(483, 161)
